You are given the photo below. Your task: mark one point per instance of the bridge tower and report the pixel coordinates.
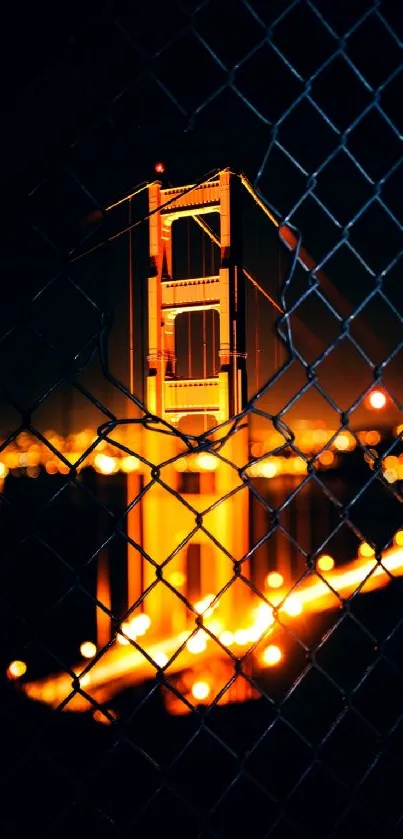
(204, 565)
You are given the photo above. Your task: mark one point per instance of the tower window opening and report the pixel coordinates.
(189, 483)
(193, 573)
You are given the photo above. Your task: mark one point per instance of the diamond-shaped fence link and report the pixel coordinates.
(203, 637)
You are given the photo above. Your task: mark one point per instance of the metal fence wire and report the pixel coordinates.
(275, 705)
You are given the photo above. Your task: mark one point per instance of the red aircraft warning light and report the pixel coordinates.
(159, 167)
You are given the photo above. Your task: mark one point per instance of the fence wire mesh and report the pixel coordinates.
(290, 725)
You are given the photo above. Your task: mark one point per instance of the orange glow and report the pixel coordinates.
(177, 579)
(292, 605)
(105, 464)
(206, 461)
(272, 655)
(318, 594)
(269, 469)
(391, 475)
(33, 472)
(161, 659)
(200, 690)
(202, 606)
(366, 550)
(16, 670)
(372, 438)
(392, 467)
(227, 638)
(377, 400)
(391, 462)
(140, 624)
(319, 436)
(88, 649)
(344, 441)
(181, 464)
(129, 463)
(134, 627)
(326, 458)
(241, 637)
(263, 617)
(11, 460)
(399, 538)
(51, 467)
(274, 580)
(121, 639)
(198, 643)
(256, 449)
(273, 466)
(215, 627)
(99, 716)
(325, 563)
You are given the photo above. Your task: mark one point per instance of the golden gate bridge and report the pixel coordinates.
(193, 611)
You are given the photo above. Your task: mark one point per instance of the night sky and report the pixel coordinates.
(305, 98)
(89, 104)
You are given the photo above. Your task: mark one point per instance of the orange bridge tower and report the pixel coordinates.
(193, 519)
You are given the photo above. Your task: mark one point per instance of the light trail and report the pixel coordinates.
(121, 667)
(370, 573)
(115, 664)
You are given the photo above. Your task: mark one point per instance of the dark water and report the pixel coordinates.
(319, 754)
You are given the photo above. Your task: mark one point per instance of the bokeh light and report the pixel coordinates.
(292, 606)
(105, 464)
(274, 580)
(177, 579)
(88, 649)
(272, 655)
(366, 550)
(16, 669)
(197, 644)
(325, 563)
(161, 659)
(377, 400)
(200, 690)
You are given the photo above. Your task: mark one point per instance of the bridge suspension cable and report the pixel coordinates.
(248, 186)
(145, 185)
(207, 229)
(257, 285)
(290, 240)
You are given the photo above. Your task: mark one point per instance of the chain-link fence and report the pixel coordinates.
(246, 675)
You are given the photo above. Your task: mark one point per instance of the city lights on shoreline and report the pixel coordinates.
(28, 455)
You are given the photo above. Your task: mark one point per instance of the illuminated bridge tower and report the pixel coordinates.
(200, 567)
